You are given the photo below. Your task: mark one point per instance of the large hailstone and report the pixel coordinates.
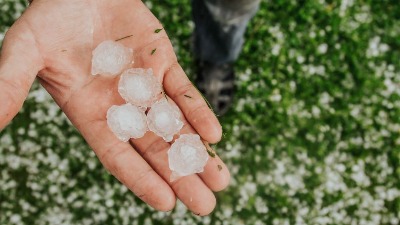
(139, 87)
(127, 121)
(164, 119)
(187, 156)
(110, 58)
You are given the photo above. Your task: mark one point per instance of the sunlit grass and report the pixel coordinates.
(313, 137)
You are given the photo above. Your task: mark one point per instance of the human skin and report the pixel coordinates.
(53, 41)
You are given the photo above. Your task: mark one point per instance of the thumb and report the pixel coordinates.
(20, 61)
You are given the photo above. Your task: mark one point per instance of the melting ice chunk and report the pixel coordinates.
(127, 121)
(187, 155)
(164, 119)
(110, 58)
(139, 87)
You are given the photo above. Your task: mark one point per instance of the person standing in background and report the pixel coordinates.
(218, 41)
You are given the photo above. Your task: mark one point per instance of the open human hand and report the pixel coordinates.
(53, 40)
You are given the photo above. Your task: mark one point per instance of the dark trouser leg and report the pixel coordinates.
(220, 26)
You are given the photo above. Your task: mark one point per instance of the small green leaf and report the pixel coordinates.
(210, 153)
(209, 149)
(165, 95)
(219, 167)
(187, 96)
(158, 30)
(124, 37)
(153, 51)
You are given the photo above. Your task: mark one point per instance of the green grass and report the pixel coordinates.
(313, 137)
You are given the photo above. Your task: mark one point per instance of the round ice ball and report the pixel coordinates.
(110, 58)
(127, 121)
(139, 87)
(164, 120)
(187, 155)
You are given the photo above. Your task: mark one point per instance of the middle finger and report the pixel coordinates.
(191, 190)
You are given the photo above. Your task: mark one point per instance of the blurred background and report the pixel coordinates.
(313, 137)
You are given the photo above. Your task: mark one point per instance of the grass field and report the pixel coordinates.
(313, 138)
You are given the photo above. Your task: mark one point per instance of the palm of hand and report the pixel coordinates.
(54, 39)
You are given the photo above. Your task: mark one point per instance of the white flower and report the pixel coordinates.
(322, 48)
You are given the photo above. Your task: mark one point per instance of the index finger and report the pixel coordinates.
(178, 86)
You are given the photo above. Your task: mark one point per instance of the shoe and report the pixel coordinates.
(216, 83)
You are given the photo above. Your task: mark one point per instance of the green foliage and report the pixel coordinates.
(313, 137)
